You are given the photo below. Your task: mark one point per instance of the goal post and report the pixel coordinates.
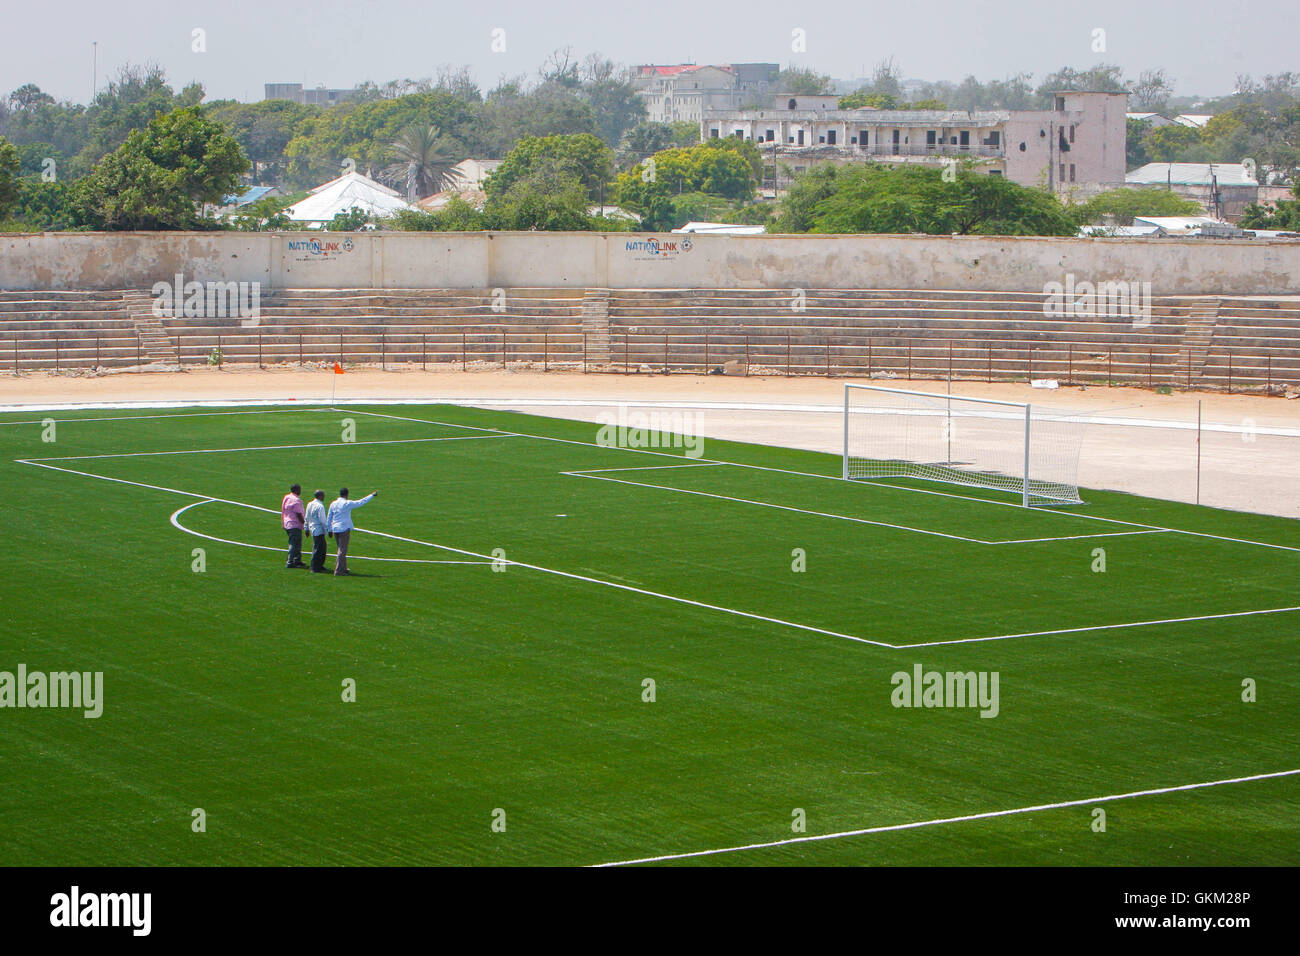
(1012, 447)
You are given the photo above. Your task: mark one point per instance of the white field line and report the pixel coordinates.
(149, 418)
(636, 590)
(175, 520)
(768, 504)
(834, 408)
(989, 815)
(486, 558)
(595, 474)
(213, 451)
(593, 471)
(1104, 627)
(808, 474)
(804, 627)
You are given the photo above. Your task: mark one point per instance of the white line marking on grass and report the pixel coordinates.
(1076, 537)
(768, 504)
(992, 814)
(487, 558)
(1104, 627)
(697, 464)
(597, 474)
(213, 451)
(175, 520)
(148, 418)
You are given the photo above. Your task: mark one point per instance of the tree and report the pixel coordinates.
(1167, 144)
(616, 106)
(353, 220)
(161, 175)
(1283, 214)
(425, 162)
(457, 216)
(801, 81)
(880, 101)
(9, 169)
(264, 129)
(795, 211)
(1124, 204)
(1102, 78)
(1135, 147)
(725, 169)
(364, 133)
(914, 199)
(582, 157)
(29, 97)
(1151, 91)
(545, 197)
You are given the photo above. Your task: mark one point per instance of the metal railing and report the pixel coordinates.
(716, 350)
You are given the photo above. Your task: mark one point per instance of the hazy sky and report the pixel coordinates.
(1203, 44)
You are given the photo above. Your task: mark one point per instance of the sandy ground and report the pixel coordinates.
(1146, 443)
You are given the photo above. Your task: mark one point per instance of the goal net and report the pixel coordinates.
(977, 442)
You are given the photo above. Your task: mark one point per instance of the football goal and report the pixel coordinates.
(977, 442)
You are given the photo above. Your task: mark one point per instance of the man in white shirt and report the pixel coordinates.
(317, 528)
(339, 522)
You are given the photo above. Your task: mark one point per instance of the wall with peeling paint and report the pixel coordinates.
(634, 260)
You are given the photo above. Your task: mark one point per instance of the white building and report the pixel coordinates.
(350, 191)
(1079, 142)
(682, 92)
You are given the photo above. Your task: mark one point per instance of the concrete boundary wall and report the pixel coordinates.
(59, 261)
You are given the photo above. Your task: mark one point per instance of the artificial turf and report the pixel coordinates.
(522, 690)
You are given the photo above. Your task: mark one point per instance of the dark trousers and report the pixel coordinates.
(318, 552)
(295, 547)
(341, 559)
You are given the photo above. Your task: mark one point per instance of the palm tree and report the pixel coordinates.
(425, 158)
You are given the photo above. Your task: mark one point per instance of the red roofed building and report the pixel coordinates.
(675, 93)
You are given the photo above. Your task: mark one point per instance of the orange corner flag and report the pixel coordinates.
(338, 369)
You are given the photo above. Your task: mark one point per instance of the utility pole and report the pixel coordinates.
(94, 69)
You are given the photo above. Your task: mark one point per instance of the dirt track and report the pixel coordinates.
(1242, 466)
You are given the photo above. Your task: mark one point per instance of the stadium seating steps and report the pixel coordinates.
(1201, 341)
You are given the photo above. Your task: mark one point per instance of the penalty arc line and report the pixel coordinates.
(175, 516)
(917, 824)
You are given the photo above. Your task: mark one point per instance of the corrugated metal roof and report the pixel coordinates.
(1191, 174)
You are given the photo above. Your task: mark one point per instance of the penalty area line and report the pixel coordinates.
(942, 821)
(1103, 627)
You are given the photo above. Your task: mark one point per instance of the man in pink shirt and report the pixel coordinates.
(291, 516)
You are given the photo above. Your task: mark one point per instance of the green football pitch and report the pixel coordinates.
(563, 653)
